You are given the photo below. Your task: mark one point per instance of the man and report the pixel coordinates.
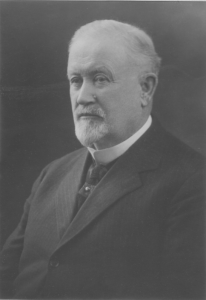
(135, 228)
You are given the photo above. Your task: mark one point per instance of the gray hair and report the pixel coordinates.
(136, 41)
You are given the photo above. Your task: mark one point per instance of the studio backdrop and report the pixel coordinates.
(37, 125)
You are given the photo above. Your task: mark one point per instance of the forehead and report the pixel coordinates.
(87, 52)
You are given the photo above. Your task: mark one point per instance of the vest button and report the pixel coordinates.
(54, 263)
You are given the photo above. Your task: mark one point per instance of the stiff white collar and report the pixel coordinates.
(107, 155)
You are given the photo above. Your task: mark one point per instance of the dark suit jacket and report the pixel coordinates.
(139, 235)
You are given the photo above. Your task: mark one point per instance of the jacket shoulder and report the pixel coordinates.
(64, 163)
(68, 158)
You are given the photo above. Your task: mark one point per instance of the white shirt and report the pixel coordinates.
(107, 155)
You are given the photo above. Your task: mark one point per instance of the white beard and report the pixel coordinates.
(89, 132)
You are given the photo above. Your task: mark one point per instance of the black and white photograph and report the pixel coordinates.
(103, 144)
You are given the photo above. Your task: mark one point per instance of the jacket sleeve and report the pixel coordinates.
(11, 252)
(183, 265)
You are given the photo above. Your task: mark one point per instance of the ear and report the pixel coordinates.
(148, 84)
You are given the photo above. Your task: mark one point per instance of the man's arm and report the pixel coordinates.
(11, 254)
(183, 266)
(12, 250)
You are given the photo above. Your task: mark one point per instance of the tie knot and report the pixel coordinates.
(95, 173)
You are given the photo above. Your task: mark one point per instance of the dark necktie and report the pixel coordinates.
(94, 175)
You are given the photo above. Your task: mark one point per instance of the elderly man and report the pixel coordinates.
(123, 217)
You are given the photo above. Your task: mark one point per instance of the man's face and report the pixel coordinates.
(104, 91)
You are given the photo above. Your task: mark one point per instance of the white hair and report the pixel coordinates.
(137, 42)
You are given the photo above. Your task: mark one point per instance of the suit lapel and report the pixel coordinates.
(121, 179)
(66, 193)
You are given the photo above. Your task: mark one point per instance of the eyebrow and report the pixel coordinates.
(92, 71)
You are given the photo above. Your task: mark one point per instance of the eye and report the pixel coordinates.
(76, 81)
(101, 79)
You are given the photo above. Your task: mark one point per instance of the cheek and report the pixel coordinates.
(109, 102)
(112, 109)
(122, 103)
(72, 99)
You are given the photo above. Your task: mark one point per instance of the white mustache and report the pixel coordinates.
(90, 110)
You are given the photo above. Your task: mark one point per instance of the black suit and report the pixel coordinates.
(139, 235)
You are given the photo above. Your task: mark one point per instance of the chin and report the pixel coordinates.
(89, 133)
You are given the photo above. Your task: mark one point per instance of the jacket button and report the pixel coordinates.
(54, 263)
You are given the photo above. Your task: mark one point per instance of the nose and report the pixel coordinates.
(86, 94)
